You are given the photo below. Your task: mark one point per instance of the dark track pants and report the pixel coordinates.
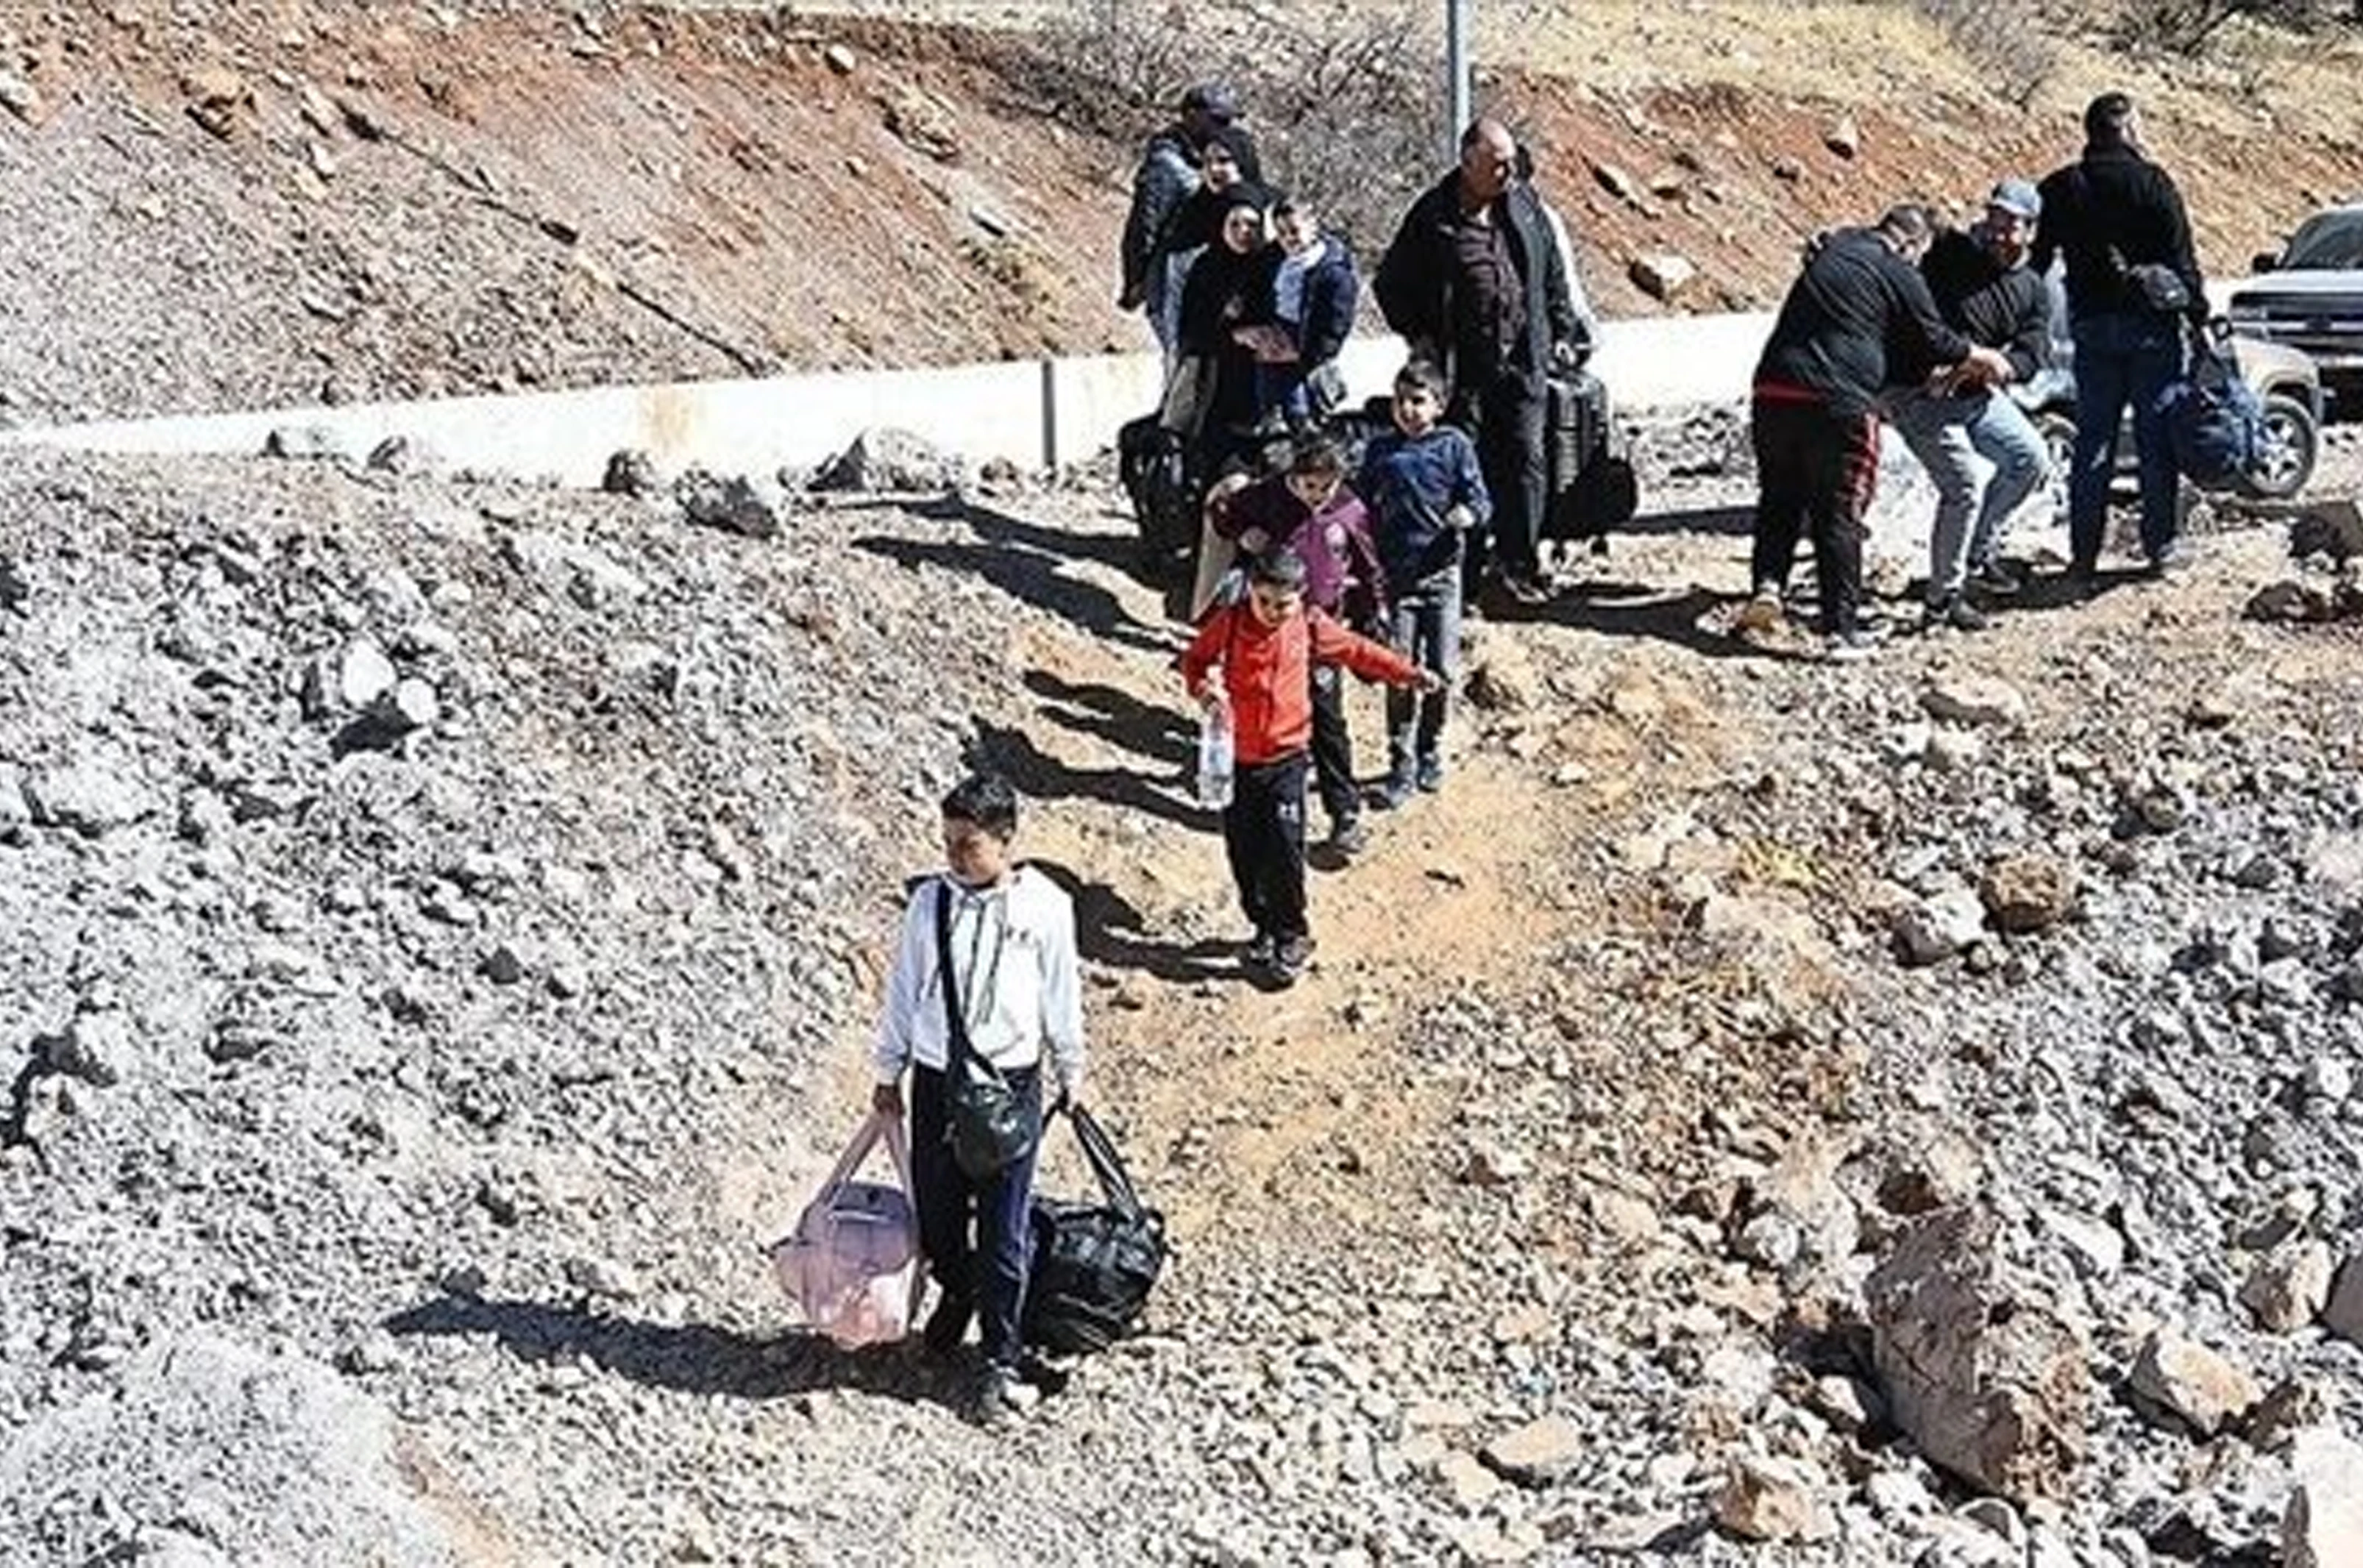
(1263, 830)
(990, 1274)
(1817, 469)
(1333, 746)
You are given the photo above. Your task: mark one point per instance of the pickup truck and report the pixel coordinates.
(2309, 296)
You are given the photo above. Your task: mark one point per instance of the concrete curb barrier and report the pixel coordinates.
(1035, 413)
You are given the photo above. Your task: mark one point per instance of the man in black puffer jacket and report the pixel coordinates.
(1168, 176)
(2132, 281)
(1474, 283)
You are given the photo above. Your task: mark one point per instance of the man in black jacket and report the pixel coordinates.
(1858, 320)
(1984, 290)
(1168, 176)
(2132, 281)
(1474, 283)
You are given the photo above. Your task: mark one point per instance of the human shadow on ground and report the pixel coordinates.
(1027, 561)
(1039, 776)
(1110, 930)
(1154, 734)
(1616, 609)
(2058, 590)
(691, 1358)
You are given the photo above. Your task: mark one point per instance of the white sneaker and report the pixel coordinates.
(1849, 647)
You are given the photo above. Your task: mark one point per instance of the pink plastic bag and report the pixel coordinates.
(850, 1263)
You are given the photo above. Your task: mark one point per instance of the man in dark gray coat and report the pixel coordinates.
(1475, 283)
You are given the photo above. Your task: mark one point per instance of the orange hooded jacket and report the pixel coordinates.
(1268, 673)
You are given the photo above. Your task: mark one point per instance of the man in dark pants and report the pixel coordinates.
(2133, 280)
(1014, 977)
(1475, 283)
(1860, 318)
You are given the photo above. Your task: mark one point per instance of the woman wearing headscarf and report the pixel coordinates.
(1230, 327)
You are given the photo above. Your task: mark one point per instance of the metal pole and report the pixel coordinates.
(1456, 75)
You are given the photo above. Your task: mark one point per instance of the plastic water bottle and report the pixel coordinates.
(1214, 759)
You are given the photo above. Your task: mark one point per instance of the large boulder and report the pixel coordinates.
(2179, 1380)
(2290, 1285)
(887, 461)
(1984, 1378)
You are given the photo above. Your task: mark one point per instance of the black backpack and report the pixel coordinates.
(2215, 422)
(1095, 1263)
(1153, 465)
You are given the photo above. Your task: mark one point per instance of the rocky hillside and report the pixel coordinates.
(1903, 1115)
(223, 206)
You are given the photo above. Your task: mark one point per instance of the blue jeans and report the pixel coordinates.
(1954, 438)
(2121, 358)
(988, 1275)
(1424, 622)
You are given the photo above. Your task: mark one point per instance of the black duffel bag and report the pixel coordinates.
(1095, 1263)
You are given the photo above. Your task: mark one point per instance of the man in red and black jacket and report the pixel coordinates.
(1858, 320)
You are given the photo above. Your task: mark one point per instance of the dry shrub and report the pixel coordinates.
(1345, 103)
(2191, 27)
(2005, 39)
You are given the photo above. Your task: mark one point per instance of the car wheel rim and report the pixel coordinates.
(2277, 464)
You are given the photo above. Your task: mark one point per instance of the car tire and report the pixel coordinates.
(2291, 443)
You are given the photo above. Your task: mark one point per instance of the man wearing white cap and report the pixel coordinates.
(1981, 451)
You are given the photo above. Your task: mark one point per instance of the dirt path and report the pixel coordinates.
(1246, 1106)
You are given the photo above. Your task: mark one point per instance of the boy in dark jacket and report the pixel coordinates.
(1308, 512)
(1424, 489)
(1265, 648)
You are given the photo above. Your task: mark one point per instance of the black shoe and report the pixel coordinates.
(1040, 1375)
(947, 1324)
(1955, 611)
(1261, 952)
(1431, 773)
(1996, 579)
(1526, 589)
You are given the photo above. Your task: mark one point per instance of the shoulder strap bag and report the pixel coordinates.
(989, 1124)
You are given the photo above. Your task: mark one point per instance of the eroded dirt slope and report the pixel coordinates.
(219, 207)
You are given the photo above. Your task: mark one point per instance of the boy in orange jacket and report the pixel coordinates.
(1266, 647)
